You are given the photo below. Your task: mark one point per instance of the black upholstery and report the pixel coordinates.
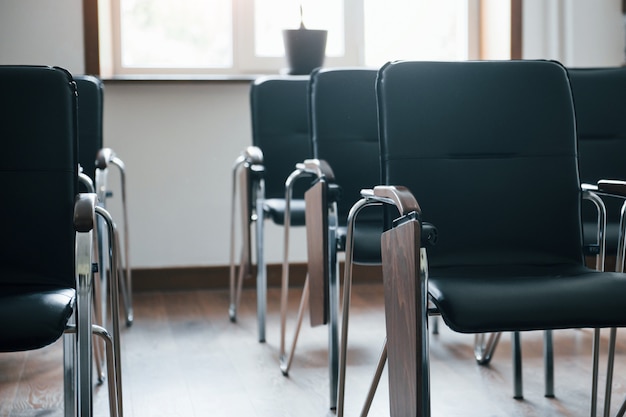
(344, 133)
(280, 128)
(90, 109)
(600, 105)
(38, 177)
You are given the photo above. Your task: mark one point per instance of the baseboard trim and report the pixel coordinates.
(218, 277)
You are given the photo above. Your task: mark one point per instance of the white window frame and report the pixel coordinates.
(244, 60)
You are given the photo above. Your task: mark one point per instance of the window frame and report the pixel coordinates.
(95, 46)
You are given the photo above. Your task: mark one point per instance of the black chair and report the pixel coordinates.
(46, 258)
(344, 136)
(95, 161)
(601, 127)
(489, 150)
(280, 139)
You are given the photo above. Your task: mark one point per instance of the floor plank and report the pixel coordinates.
(183, 357)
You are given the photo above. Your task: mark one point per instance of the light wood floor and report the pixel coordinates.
(183, 357)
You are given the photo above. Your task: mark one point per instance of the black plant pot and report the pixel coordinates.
(305, 50)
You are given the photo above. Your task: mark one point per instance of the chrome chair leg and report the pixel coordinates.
(115, 402)
(609, 371)
(240, 176)
(380, 366)
(345, 316)
(126, 279)
(483, 349)
(516, 348)
(548, 358)
(434, 323)
(284, 285)
(70, 377)
(232, 309)
(285, 360)
(104, 335)
(594, 378)
(333, 311)
(113, 247)
(261, 274)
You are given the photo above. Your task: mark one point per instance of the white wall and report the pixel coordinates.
(179, 140)
(578, 33)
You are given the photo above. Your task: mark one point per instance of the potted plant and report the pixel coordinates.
(305, 49)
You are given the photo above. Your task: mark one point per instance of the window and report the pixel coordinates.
(245, 36)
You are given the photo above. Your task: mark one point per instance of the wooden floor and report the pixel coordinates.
(183, 357)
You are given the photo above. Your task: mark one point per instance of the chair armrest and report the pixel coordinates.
(614, 187)
(253, 155)
(399, 196)
(104, 156)
(84, 212)
(318, 167)
(407, 205)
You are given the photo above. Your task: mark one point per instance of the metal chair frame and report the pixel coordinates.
(325, 270)
(247, 173)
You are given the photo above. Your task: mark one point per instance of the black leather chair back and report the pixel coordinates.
(90, 109)
(600, 105)
(455, 158)
(38, 176)
(280, 128)
(344, 129)
(344, 133)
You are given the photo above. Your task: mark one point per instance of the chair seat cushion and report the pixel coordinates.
(476, 299)
(366, 242)
(33, 317)
(274, 208)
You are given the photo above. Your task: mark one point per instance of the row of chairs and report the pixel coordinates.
(57, 231)
(472, 126)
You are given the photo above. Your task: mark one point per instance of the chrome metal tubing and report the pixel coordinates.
(609, 371)
(101, 179)
(347, 294)
(113, 250)
(619, 266)
(86, 181)
(380, 366)
(103, 334)
(284, 287)
(261, 273)
(232, 309)
(424, 388)
(601, 234)
(333, 305)
(594, 378)
(70, 376)
(245, 261)
(621, 248)
(114, 400)
(600, 261)
(285, 360)
(483, 349)
(516, 348)
(84, 345)
(127, 287)
(435, 325)
(548, 363)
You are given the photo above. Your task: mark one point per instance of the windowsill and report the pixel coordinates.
(182, 78)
